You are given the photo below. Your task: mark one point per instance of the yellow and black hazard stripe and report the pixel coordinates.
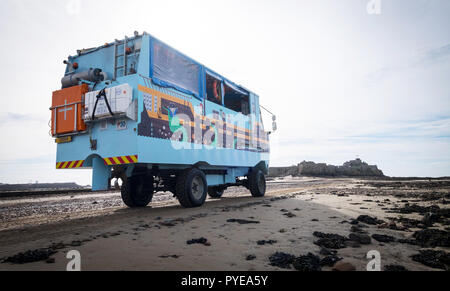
(121, 160)
(70, 165)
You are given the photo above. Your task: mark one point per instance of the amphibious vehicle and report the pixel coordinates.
(140, 111)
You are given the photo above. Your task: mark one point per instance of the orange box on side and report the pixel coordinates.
(68, 109)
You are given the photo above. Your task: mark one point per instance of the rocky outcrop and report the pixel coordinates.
(313, 169)
(354, 168)
(283, 171)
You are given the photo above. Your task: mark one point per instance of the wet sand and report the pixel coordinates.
(110, 236)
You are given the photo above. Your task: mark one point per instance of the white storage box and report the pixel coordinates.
(119, 99)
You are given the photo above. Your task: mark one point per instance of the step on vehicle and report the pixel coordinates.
(139, 111)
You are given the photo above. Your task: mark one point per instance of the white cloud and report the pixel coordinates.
(330, 71)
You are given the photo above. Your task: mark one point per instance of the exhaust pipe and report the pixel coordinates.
(91, 75)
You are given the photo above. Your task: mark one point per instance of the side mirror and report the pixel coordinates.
(274, 124)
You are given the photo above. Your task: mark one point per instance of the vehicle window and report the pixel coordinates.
(236, 100)
(171, 68)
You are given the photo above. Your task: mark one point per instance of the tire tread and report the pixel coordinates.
(253, 183)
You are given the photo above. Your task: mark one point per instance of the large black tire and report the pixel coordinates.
(257, 183)
(137, 191)
(191, 188)
(215, 192)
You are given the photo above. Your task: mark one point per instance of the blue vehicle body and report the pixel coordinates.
(219, 141)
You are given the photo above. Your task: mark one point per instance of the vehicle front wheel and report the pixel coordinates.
(257, 183)
(191, 188)
(137, 191)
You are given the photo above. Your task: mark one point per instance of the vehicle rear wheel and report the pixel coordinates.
(215, 192)
(137, 191)
(257, 183)
(191, 188)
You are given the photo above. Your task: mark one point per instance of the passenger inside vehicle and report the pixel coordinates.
(213, 89)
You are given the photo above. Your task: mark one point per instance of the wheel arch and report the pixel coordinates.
(263, 166)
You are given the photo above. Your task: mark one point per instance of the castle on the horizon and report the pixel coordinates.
(354, 168)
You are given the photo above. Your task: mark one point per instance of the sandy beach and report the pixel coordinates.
(237, 232)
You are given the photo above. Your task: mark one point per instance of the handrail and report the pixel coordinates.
(65, 105)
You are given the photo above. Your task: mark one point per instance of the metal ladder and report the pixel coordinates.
(117, 55)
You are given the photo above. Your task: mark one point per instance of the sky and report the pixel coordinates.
(346, 78)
